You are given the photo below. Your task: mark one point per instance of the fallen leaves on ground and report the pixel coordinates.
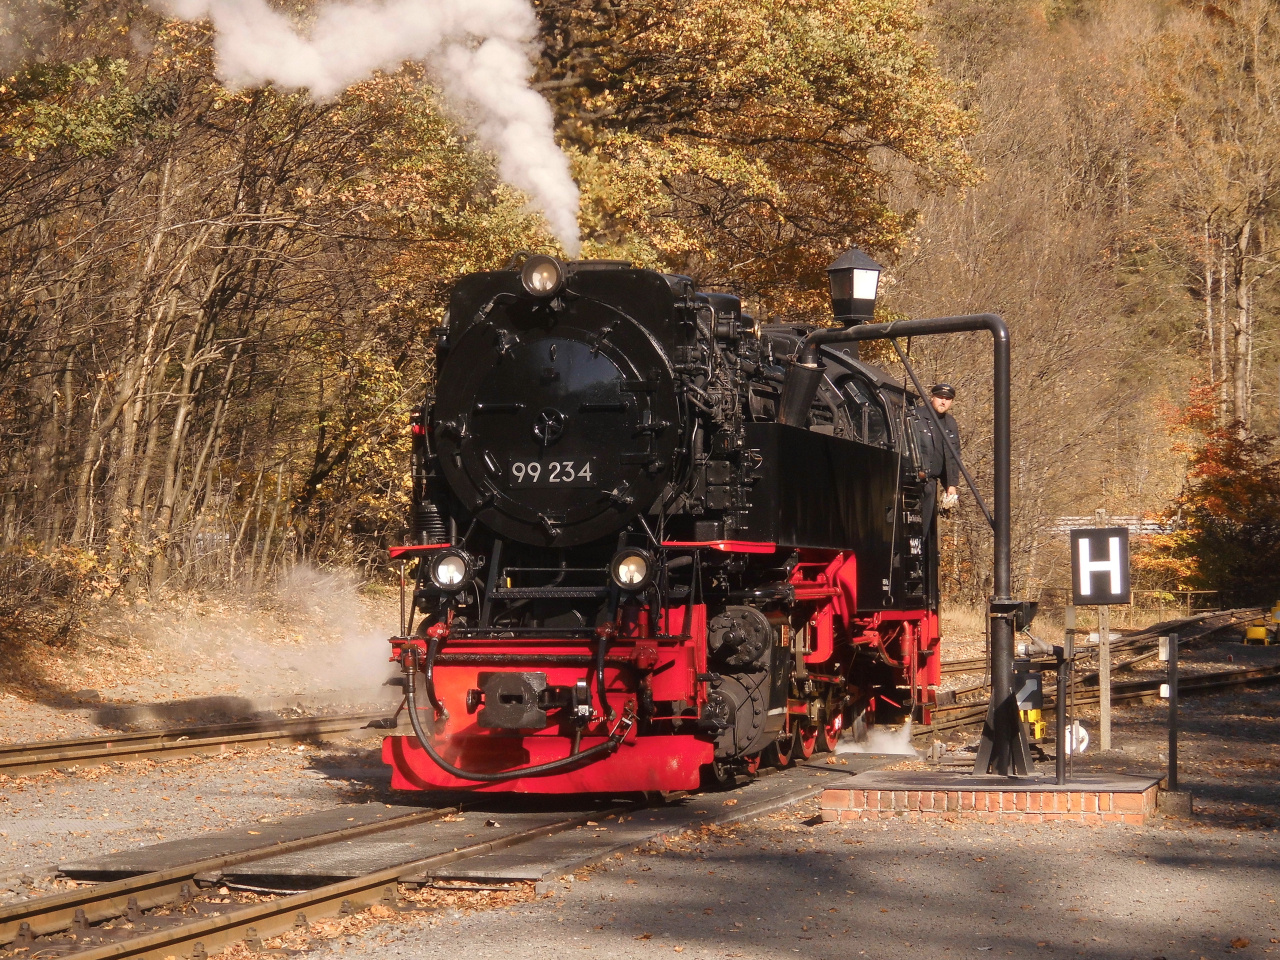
(419, 907)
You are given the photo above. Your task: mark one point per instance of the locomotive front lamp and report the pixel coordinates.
(854, 279)
(450, 570)
(542, 276)
(631, 570)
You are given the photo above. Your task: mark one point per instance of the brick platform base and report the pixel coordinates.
(958, 797)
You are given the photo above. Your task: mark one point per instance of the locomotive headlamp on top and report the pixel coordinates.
(450, 570)
(542, 276)
(632, 570)
(854, 278)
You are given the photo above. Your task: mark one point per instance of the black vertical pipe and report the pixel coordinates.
(1004, 745)
(1173, 712)
(1060, 761)
(1066, 667)
(403, 618)
(1004, 741)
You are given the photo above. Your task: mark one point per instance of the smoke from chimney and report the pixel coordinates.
(478, 51)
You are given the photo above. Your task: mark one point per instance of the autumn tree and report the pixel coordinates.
(1038, 241)
(216, 302)
(1211, 85)
(747, 144)
(1225, 522)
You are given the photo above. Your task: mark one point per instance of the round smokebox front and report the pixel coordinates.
(556, 437)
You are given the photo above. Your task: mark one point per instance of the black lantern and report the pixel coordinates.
(854, 278)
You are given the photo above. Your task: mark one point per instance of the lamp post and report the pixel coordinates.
(854, 278)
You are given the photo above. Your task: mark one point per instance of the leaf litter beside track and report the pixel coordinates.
(423, 907)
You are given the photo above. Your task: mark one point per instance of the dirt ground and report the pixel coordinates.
(781, 886)
(316, 645)
(786, 886)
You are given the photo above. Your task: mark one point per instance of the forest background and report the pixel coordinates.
(216, 303)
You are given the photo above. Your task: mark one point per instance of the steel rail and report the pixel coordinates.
(974, 665)
(106, 900)
(1147, 636)
(965, 714)
(1208, 627)
(36, 757)
(273, 917)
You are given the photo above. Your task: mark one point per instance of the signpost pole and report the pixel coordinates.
(1066, 660)
(1172, 801)
(1173, 712)
(1104, 660)
(1104, 676)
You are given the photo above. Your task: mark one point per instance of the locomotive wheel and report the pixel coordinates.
(718, 775)
(806, 742)
(829, 731)
(779, 753)
(753, 764)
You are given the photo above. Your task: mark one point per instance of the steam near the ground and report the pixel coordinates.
(889, 740)
(478, 51)
(20, 26)
(317, 640)
(346, 652)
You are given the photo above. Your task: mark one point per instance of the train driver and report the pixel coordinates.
(940, 463)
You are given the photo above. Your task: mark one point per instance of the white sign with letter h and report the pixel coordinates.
(1111, 546)
(1112, 565)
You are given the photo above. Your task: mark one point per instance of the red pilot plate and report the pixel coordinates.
(728, 546)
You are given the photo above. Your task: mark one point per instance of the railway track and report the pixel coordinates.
(166, 913)
(27, 758)
(973, 713)
(71, 924)
(1188, 629)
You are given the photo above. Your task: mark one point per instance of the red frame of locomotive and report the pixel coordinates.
(669, 657)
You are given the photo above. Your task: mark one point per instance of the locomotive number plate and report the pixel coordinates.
(551, 473)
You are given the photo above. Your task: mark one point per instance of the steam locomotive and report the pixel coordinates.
(651, 548)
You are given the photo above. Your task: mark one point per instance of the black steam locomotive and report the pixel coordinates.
(655, 541)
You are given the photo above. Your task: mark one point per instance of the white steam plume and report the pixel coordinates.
(883, 740)
(478, 50)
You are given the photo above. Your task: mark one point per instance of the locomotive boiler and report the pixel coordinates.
(655, 541)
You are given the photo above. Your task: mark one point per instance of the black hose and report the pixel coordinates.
(433, 650)
(410, 665)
